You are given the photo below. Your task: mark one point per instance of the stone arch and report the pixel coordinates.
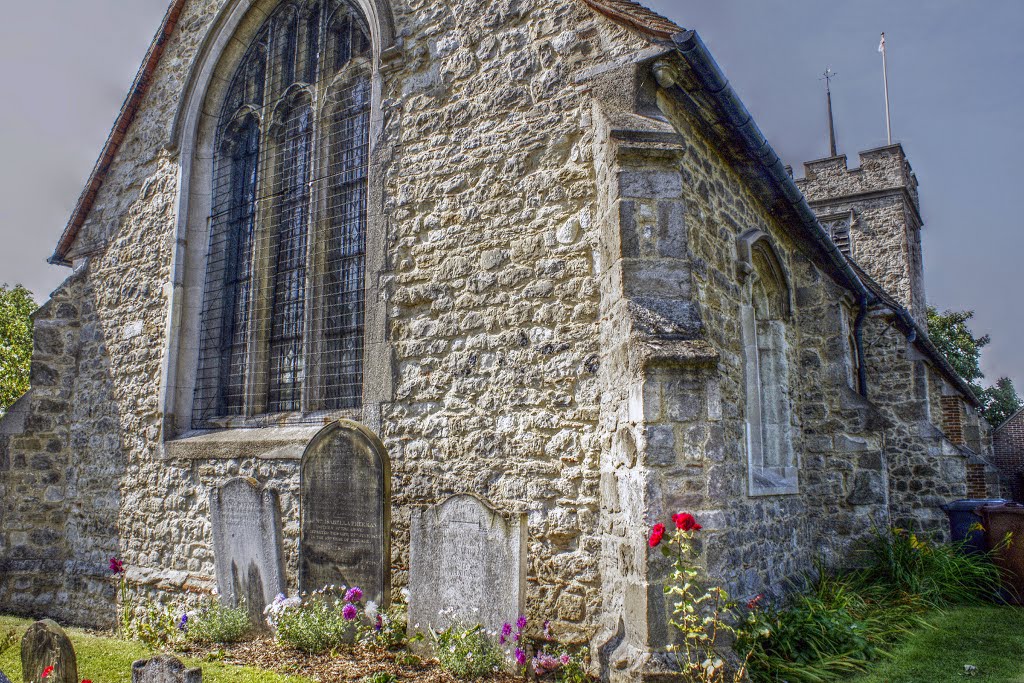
(764, 313)
(193, 135)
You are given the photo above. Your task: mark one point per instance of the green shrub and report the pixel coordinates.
(218, 623)
(320, 622)
(386, 629)
(940, 575)
(467, 652)
(834, 629)
(154, 623)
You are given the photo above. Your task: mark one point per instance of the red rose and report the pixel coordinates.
(686, 522)
(657, 533)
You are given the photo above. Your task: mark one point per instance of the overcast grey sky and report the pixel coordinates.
(956, 69)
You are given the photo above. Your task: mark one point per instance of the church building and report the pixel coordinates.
(533, 251)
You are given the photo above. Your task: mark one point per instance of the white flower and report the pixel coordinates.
(371, 609)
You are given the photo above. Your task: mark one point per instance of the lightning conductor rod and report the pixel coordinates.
(827, 77)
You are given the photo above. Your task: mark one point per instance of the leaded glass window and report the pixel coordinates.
(283, 313)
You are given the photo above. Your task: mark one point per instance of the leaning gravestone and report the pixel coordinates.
(247, 545)
(45, 644)
(466, 565)
(164, 669)
(345, 503)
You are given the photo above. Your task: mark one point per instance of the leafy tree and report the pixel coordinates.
(16, 308)
(952, 335)
(1001, 402)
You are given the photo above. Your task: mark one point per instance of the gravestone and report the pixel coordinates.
(3, 678)
(466, 565)
(164, 669)
(45, 644)
(345, 504)
(247, 545)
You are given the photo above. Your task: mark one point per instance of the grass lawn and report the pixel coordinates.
(108, 660)
(990, 638)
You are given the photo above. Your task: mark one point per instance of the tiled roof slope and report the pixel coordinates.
(626, 12)
(636, 16)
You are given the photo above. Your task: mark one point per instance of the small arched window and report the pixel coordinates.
(772, 462)
(282, 319)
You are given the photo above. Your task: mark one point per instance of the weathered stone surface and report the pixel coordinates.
(247, 544)
(45, 644)
(467, 565)
(164, 669)
(346, 512)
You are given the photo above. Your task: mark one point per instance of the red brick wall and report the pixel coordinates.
(977, 487)
(1008, 449)
(953, 419)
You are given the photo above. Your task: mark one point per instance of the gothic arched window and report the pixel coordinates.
(283, 311)
(771, 459)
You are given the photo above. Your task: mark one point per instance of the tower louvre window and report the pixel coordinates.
(839, 229)
(283, 312)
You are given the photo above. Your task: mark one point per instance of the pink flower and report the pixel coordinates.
(545, 663)
(521, 623)
(354, 594)
(350, 612)
(506, 631)
(116, 566)
(520, 656)
(565, 659)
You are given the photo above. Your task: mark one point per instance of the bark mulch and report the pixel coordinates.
(349, 664)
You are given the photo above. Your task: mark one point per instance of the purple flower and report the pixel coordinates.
(380, 624)
(116, 566)
(183, 624)
(547, 630)
(521, 623)
(350, 612)
(506, 631)
(520, 656)
(565, 659)
(354, 595)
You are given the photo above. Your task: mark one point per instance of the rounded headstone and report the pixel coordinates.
(45, 644)
(345, 508)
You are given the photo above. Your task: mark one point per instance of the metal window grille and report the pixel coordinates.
(283, 313)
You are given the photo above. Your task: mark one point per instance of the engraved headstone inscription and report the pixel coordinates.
(466, 565)
(247, 545)
(345, 503)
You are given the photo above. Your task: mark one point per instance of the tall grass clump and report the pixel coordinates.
(834, 629)
(938, 574)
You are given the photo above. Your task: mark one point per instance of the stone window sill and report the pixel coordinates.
(264, 443)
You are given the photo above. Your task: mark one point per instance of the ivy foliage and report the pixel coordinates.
(16, 308)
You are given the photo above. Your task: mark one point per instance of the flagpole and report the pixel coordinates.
(885, 80)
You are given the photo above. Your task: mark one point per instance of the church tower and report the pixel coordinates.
(874, 215)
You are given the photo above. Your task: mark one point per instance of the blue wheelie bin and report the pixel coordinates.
(963, 514)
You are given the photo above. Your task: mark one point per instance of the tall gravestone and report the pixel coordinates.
(45, 644)
(164, 669)
(466, 565)
(345, 503)
(247, 545)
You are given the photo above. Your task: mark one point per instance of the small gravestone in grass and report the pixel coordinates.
(45, 645)
(164, 669)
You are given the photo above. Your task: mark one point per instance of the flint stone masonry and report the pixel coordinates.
(164, 669)
(467, 565)
(553, 314)
(45, 644)
(345, 509)
(247, 545)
